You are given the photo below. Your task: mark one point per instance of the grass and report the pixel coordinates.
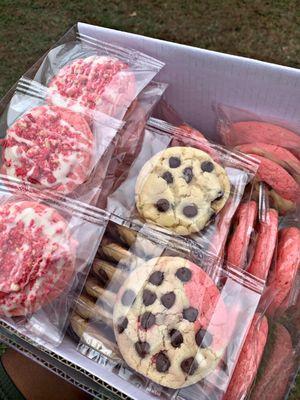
(266, 30)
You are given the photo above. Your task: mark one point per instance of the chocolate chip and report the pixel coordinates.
(168, 299)
(207, 166)
(174, 162)
(122, 324)
(162, 362)
(219, 195)
(148, 297)
(188, 174)
(190, 314)
(189, 365)
(142, 348)
(190, 211)
(168, 177)
(176, 338)
(162, 205)
(147, 320)
(103, 277)
(128, 297)
(203, 338)
(212, 218)
(156, 278)
(183, 274)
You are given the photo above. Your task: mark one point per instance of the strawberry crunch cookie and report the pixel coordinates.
(49, 146)
(37, 257)
(169, 322)
(181, 188)
(99, 83)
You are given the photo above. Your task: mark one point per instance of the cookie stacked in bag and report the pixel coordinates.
(59, 132)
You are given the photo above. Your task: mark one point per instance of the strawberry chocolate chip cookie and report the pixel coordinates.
(169, 322)
(100, 83)
(49, 146)
(37, 257)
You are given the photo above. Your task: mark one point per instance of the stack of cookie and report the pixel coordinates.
(92, 320)
(265, 240)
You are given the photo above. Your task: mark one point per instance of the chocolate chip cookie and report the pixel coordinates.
(181, 188)
(169, 322)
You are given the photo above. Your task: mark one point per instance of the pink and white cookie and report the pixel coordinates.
(37, 257)
(49, 146)
(169, 322)
(100, 83)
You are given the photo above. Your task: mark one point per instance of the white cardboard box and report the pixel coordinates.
(198, 78)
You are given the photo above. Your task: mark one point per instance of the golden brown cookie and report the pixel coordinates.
(181, 188)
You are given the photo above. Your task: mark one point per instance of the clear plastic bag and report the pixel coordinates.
(82, 71)
(172, 333)
(278, 366)
(131, 136)
(47, 245)
(53, 147)
(283, 286)
(267, 364)
(252, 242)
(267, 368)
(159, 138)
(249, 360)
(275, 143)
(166, 112)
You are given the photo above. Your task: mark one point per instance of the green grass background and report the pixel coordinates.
(266, 30)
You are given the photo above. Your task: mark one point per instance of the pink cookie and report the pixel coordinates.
(279, 361)
(49, 146)
(256, 131)
(275, 153)
(249, 359)
(278, 179)
(286, 267)
(100, 83)
(37, 257)
(192, 132)
(265, 245)
(198, 140)
(244, 220)
(169, 322)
